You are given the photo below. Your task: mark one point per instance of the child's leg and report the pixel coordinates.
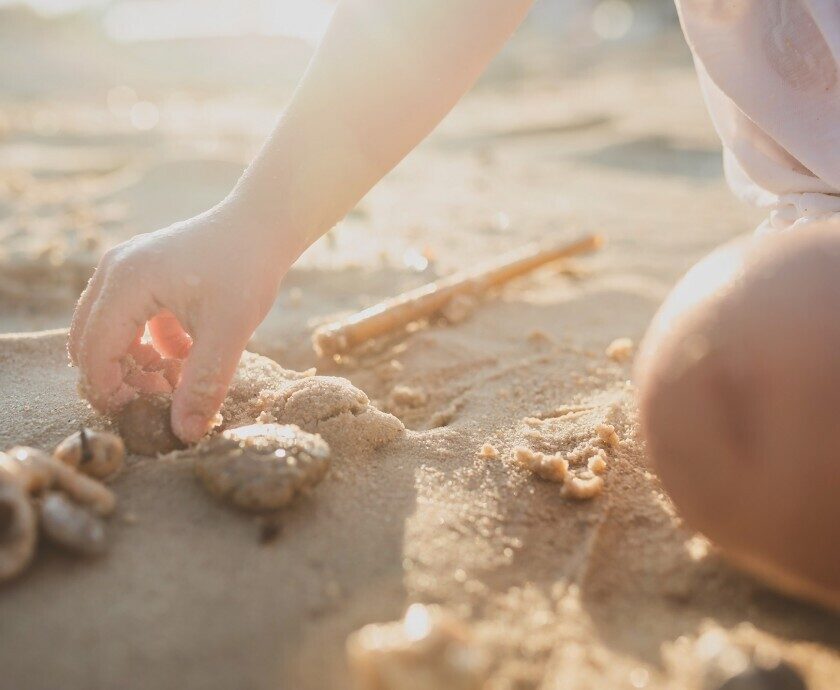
(739, 380)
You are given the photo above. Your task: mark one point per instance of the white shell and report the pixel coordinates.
(70, 525)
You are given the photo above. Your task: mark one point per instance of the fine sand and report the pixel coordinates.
(608, 592)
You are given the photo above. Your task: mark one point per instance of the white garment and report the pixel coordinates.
(770, 73)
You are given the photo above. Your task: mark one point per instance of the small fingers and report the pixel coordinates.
(120, 310)
(169, 337)
(172, 371)
(205, 378)
(150, 382)
(144, 354)
(152, 373)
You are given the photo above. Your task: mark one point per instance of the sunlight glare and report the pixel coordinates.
(49, 8)
(144, 115)
(612, 19)
(415, 260)
(156, 20)
(120, 100)
(418, 622)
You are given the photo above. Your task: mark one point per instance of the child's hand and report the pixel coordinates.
(369, 96)
(203, 286)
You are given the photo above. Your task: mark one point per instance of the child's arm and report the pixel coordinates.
(385, 74)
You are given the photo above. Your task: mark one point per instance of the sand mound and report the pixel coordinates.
(184, 573)
(263, 391)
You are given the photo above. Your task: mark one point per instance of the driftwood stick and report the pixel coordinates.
(389, 315)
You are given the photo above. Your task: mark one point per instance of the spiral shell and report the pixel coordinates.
(18, 526)
(36, 471)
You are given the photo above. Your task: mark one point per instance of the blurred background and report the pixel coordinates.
(256, 46)
(124, 116)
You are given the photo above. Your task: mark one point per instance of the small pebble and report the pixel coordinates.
(145, 427)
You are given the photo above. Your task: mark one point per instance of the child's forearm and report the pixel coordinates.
(385, 74)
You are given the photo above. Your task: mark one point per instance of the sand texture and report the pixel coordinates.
(424, 501)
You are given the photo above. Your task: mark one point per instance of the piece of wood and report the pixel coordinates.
(389, 315)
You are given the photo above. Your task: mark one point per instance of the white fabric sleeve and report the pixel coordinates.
(770, 73)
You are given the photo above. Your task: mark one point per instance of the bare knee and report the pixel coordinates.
(738, 399)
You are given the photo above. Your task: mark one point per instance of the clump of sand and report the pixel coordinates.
(572, 444)
(407, 397)
(550, 467)
(426, 650)
(488, 451)
(620, 349)
(579, 431)
(263, 391)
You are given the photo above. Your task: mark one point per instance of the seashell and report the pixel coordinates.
(261, 467)
(31, 467)
(37, 472)
(72, 526)
(18, 526)
(98, 454)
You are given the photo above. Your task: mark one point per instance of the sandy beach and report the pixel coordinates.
(559, 593)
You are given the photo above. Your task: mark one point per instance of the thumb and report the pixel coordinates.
(205, 378)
